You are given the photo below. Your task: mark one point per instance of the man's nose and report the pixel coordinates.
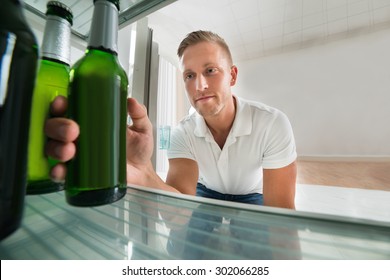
(201, 83)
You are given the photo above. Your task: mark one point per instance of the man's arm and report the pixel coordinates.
(279, 186)
(183, 174)
(279, 191)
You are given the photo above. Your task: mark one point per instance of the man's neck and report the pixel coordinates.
(221, 124)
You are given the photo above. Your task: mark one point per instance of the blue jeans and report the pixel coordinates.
(252, 198)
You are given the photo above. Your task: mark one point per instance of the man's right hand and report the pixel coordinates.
(139, 145)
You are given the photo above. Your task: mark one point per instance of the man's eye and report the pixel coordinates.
(211, 70)
(188, 76)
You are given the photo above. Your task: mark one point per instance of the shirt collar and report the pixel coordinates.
(242, 123)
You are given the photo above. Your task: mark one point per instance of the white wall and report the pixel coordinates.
(337, 95)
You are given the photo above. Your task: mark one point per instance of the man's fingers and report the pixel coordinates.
(62, 129)
(138, 115)
(59, 106)
(58, 172)
(60, 151)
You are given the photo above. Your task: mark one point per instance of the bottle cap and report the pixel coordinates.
(57, 8)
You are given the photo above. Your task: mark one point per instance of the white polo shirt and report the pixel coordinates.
(261, 137)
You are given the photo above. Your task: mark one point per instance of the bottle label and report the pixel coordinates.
(104, 28)
(7, 46)
(56, 39)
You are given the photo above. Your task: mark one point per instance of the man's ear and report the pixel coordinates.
(233, 73)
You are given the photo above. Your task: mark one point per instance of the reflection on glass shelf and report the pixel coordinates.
(150, 225)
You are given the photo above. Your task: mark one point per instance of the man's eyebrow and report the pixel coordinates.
(187, 71)
(210, 64)
(204, 66)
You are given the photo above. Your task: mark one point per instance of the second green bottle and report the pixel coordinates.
(97, 102)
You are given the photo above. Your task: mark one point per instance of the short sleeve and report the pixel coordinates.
(180, 146)
(280, 149)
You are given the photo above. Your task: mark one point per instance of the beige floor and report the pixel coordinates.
(360, 174)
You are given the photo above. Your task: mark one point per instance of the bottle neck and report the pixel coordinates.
(104, 28)
(56, 39)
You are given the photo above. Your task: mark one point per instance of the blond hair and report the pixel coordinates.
(203, 36)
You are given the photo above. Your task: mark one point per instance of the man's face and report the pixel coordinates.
(208, 76)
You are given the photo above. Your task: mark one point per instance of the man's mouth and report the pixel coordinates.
(203, 98)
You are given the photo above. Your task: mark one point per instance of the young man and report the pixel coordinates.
(229, 149)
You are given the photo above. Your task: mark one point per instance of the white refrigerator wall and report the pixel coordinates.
(336, 95)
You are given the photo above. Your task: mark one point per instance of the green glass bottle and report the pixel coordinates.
(52, 80)
(97, 102)
(18, 65)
